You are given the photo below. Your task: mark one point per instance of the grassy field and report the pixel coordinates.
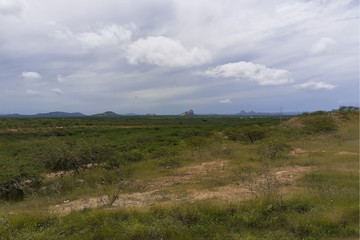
(180, 178)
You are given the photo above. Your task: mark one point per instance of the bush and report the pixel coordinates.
(272, 146)
(11, 190)
(251, 133)
(15, 185)
(319, 124)
(133, 156)
(163, 152)
(75, 156)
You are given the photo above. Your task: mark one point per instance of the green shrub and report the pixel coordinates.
(250, 133)
(75, 155)
(133, 156)
(319, 124)
(17, 183)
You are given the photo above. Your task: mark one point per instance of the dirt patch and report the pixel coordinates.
(56, 174)
(205, 167)
(289, 174)
(298, 151)
(228, 192)
(347, 153)
(185, 174)
(143, 199)
(12, 130)
(155, 192)
(64, 173)
(77, 205)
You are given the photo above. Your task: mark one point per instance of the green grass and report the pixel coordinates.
(291, 219)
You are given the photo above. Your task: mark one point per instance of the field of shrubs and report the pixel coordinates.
(168, 177)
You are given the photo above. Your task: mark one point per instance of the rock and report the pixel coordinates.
(188, 113)
(79, 181)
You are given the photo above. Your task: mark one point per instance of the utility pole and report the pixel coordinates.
(280, 114)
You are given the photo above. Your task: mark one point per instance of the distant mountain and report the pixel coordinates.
(252, 113)
(60, 114)
(50, 114)
(106, 114)
(13, 115)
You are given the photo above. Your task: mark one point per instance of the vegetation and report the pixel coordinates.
(181, 177)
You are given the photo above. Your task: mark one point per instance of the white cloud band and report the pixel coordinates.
(31, 75)
(228, 101)
(322, 45)
(163, 51)
(248, 70)
(315, 85)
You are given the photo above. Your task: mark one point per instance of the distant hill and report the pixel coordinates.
(60, 114)
(106, 114)
(49, 114)
(252, 113)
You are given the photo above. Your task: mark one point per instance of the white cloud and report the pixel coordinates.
(225, 101)
(161, 93)
(315, 85)
(252, 71)
(322, 45)
(110, 35)
(164, 51)
(60, 78)
(30, 92)
(61, 32)
(58, 91)
(10, 7)
(31, 75)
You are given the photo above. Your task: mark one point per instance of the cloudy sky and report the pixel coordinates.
(169, 56)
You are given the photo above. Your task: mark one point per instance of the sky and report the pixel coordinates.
(169, 56)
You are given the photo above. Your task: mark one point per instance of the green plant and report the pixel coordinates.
(75, 155)
(319, 124)
(251, 133)
(272, 146)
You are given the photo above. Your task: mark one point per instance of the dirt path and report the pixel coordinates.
(347, 153)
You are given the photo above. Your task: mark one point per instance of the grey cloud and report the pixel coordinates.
(58, 91)
(10, 7)
(102, 61)
(31, 92)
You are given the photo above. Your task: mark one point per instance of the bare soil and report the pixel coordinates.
(155, 192)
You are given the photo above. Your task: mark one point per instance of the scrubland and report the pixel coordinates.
(181, 177)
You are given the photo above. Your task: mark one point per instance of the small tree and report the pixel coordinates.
(253, 133)
(272, 146)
